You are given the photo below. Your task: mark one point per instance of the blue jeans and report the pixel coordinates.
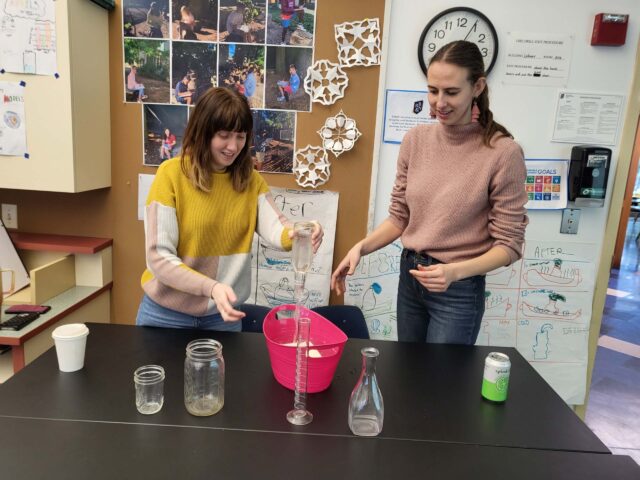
(453, 316)
(150, 314)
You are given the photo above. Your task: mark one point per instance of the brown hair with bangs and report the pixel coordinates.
(218, 109)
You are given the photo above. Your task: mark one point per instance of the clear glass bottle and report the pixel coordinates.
(366, 407)
(204, 377)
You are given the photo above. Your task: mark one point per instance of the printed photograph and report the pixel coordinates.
(286, 69)
(242, 21)
(193, 71)
(146, 18)
(164, 127)
(291, 22)
(273, 140)
(242, 68)
(146, 70)
(194, 20)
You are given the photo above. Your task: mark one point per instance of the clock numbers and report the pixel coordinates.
(460, 23)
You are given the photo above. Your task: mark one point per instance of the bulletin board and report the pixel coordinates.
(350, 173)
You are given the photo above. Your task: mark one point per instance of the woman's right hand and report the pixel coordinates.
(224, 296)
(346, 267)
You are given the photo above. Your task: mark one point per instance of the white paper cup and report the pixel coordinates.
(70, 341)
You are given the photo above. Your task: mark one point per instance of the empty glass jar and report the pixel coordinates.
(204, 377)
(366, 407)
(149, 382)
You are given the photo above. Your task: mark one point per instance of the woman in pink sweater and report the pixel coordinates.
(457, 204)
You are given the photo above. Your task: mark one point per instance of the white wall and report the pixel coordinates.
(528, 112)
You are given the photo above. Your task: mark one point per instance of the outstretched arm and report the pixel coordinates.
(383, 235)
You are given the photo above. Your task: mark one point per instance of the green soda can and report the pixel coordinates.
(495, 381)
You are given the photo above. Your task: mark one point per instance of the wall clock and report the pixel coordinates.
(459, 23)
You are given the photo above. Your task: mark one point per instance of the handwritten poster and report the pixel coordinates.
(144, 185)
(403, 110)
(28, 36)
(374, 287)
(540, 305)
(587, 118)
(272, 273)
(540, 59)
(546, 184)
(13, 130)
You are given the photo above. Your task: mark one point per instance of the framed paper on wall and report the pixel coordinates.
(14, 274)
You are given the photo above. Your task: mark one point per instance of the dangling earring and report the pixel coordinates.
(475, 111)
(432, 114)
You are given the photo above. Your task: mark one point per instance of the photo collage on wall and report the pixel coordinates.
(174, 50)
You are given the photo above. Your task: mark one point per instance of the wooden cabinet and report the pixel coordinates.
(71, 274)
(67, 118)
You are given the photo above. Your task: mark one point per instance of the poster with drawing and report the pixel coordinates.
(13, 129)
(28, 37)
(272, 274)
(541, 305)
(373, 287)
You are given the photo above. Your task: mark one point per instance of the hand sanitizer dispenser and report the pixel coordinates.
(588, 174)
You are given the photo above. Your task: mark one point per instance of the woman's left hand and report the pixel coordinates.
(435, 278)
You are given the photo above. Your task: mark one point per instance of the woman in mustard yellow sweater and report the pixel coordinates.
(201, 213)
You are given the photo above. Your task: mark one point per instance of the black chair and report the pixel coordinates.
(254, 318)
(347, 318)
(635, 209)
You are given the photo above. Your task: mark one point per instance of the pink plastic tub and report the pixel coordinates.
(326, 345)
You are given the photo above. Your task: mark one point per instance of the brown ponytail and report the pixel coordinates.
(467, 55)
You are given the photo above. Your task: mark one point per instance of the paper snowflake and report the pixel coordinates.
(358, 43)
(325, 82)
(339, 133)
(311, 166)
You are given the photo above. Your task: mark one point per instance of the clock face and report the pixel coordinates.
(460, 23)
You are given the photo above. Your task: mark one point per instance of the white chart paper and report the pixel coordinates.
(541, 305)
(272, 273)
(373, 288)
(144, 185)
(13, 129)
(28, 36)
(540, 59)
(587, 118)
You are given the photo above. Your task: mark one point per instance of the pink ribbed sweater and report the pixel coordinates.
(454, 198)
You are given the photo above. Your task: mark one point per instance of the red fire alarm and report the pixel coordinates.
(609, 29)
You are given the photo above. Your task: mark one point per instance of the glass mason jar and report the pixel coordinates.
(366, 407)
(204, 377)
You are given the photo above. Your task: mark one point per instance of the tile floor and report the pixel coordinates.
(613, 412)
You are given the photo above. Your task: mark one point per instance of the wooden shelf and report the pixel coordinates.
(59, 243)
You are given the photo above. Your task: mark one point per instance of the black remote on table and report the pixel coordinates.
(18, 321)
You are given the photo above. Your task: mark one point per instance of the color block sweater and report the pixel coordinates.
(455, 198)
(195, 239)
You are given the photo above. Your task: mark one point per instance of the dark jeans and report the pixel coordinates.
(452, 316)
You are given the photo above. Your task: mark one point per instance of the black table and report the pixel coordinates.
(431, 392)
(55, 449)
